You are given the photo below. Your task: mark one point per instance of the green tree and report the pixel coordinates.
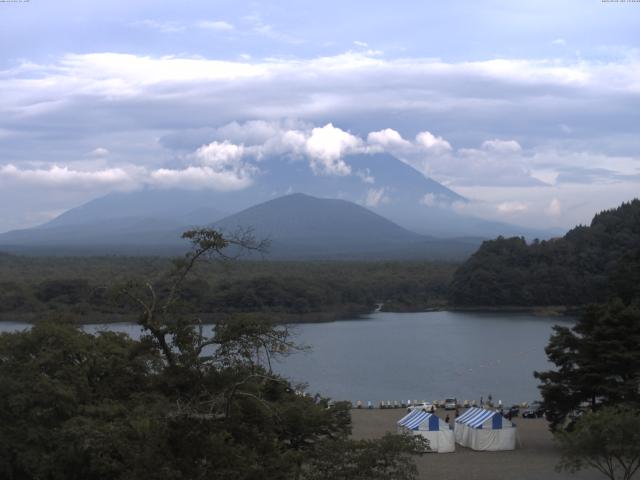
(178, 404)
(607, 440)
(67, 400)
(589, 264)
(390, 457)
(597, 361)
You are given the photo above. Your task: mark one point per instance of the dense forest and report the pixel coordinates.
(87, 288)
(176, 404)
(587, 265)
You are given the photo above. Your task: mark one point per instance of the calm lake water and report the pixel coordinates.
(420, 356)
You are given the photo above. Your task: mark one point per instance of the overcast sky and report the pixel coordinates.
(531, 109)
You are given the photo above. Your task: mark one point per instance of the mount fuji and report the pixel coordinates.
(387, 189)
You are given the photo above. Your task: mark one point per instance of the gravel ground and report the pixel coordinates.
(535, 459)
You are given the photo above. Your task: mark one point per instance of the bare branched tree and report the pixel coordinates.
(244, 344)
(177, 335)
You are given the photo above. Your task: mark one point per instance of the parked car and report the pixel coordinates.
(450, 403)
(535, 410)
(513, 411)
(424, 406)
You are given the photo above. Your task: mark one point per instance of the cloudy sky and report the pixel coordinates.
(531, 109)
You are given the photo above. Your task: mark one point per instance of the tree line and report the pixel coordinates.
(588, 265)
(286, 291)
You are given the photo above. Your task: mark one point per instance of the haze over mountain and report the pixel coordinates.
(382, 183)
(186, 207)
(298, 226)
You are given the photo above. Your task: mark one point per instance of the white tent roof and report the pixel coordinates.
(482, 418)
(415, 418)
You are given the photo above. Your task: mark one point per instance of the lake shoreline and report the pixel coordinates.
(546, 310)
(207, 318)
(282, 318)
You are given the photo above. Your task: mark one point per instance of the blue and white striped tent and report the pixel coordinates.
(482, 429)
(429, 426)
(416, 418)
(476, 418)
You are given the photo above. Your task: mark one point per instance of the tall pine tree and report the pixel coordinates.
(598, 361)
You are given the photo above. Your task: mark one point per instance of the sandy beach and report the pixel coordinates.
(535, 458)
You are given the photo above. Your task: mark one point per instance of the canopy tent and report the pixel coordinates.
(481, 429)
(431, 427)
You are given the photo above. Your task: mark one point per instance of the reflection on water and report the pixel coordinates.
(420, 356)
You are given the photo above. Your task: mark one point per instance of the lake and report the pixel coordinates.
(419, 356)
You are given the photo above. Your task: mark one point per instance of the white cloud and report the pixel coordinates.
(429, 200)
(388, 139)
(435, 200)
(327, 145)
(220, 155)
(365, 176)
(511, 208)
(324, 147)
(201, 177)
(327, 149)
(561, 42)
(220, 166)
(376, 196)
(432, 143)
(232, 159)
(502, 146)
(177, 27)
(426, 154)
(494, 162)
(360, 44)
(263, 138)
(100, 152)
(217, 25)
(65, 177)
(217, 165)
(567, 166)
(173, 93)
(292, 141)
(577, 202)
(555, 208)
(425, 84)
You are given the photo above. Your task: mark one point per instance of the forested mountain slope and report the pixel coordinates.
(587, 265)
